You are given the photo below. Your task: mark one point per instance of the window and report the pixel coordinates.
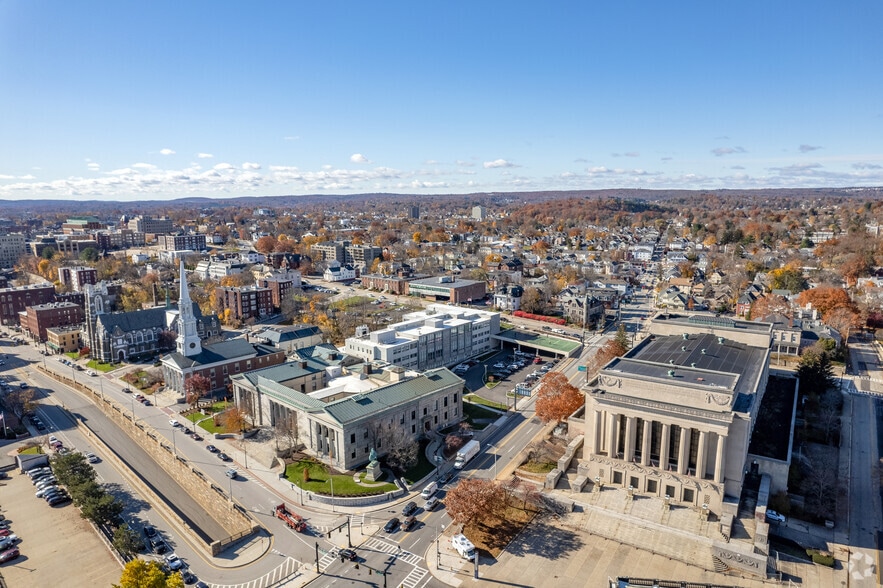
(652, 486)
(446, 415)
(424, 411)
(617, 477)
(633, 482)
(455, 398)
(353, 454)
(413, 415)
(446, 401)
(689, 495)
(352, 437)
(436, 419)
(366, 435)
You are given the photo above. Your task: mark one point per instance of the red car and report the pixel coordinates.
(9, 555)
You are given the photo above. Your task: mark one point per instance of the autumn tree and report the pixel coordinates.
(235, 419)
(20, 401)
(825, 298)
(474, 500)
(843, 320)
(612, 348)
(140, 573)
(266, 244)
(288, 430)
(788, 278)
(195, 387)
(557, 398)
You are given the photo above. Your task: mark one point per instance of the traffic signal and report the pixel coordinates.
(357, 566)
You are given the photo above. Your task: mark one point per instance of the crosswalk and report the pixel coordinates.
(392, 549)
(287, 568)
(414, 578)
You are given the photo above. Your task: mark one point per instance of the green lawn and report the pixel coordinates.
(35, 450)
(101, 366)
(476, 399)
(73, 355)
(321, 483)
(477, 416)
(208, 424)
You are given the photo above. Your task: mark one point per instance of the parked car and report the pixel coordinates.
(160, 547)
(174, 423)
(174, 562)
(59, 499)
(188, 577)
(231, 473)
(775, 517)
(212, 448)
(223, 456)
(392, 525)
(149, 531)
(92, 458)
(9, 555)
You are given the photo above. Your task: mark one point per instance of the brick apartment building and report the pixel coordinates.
(54, 314)
(181, 242)
(280, 287)
(77, 277)
(14, 300)
(245, 302)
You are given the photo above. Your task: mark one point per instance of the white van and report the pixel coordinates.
(463, 546)
(429, 490)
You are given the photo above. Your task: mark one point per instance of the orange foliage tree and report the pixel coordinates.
(195, 388)
(557, 398)
(825, 299)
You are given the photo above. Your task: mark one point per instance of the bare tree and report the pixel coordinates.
(288, 430)
(821, 484)
(474, 500)
(829, 414)
(400, 451)
(20, 401)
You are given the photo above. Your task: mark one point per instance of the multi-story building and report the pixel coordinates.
(149, 224)
(363, 256)
(119, 336)
(13, 301)
(330, 250)
(81, 224)
(448, 289)
(508, 297)
(342, 414)
(53, 314)
(64, 339)
(119, 239)
(12, 247)
(479, 213)
(675, 415)
(245, 302)
(77, 277)
(218, 362)
(437, 336)
(585, 311)
(192, 242)
(280, 286)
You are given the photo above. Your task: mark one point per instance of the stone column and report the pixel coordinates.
(596, 433)
(630, 435)
(719, 460)
(645, 443)
(684, 451)
(611, 434)
(700, 455)
(664, 442)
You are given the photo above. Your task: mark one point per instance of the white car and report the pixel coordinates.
(174, 423)
(775, 517)
(92, 458)
(91, 373)
(175, 563)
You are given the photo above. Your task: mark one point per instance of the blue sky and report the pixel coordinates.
(155, 100)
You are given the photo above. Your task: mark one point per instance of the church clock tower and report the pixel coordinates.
(188, 343)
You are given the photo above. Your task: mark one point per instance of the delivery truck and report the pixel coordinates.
(466, 453)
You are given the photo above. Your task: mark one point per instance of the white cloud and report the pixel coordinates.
(204, 155)
(251, 166)
(807, 148)
(223, 166)
(720, 151)
(166, 151)
(462, 163)
(93, 166)
(144, 166)
(498, 163)
(359, 158)
(863, 165)
(6, 177)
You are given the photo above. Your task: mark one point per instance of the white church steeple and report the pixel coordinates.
(188, 343)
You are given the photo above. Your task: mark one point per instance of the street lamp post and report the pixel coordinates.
(438, 548)
(174, 446)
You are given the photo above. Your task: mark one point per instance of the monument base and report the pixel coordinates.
(373, 472)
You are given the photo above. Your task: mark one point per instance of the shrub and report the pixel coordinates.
(822, 558)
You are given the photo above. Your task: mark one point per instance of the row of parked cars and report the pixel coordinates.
(8, 540)
(47, 486)
(156, 543)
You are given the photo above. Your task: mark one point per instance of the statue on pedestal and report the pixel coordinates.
(373, 470)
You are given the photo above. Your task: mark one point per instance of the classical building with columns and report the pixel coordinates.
(674, 416)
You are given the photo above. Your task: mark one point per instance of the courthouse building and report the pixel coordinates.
(674, 417)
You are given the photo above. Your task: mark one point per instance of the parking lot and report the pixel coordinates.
(58, 548)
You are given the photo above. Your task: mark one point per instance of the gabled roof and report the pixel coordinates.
(220, 352)
(135, 320)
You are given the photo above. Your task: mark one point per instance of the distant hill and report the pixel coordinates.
(17, 207)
